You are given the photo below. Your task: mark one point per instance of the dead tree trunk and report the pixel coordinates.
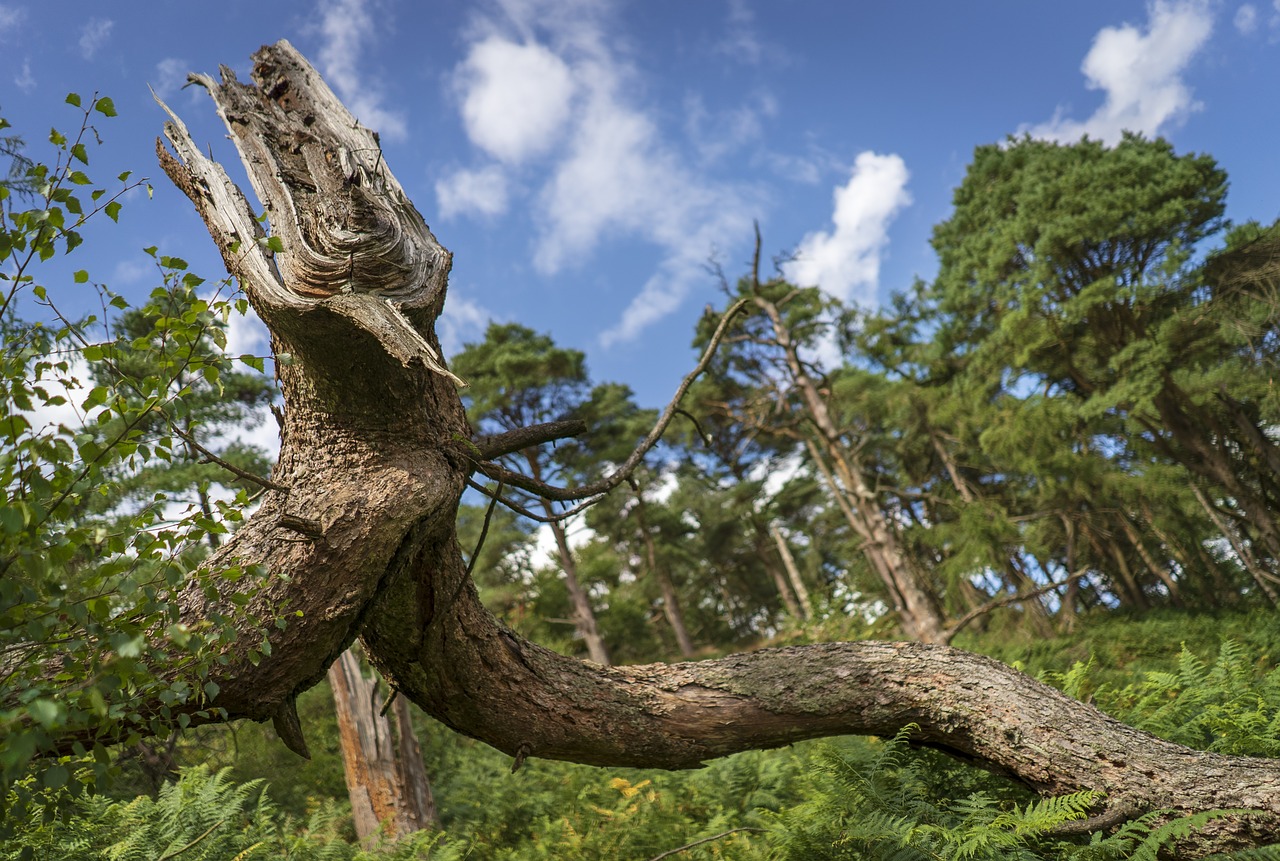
(358, 533)
(386, 779)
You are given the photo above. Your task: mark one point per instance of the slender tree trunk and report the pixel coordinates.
(1203, 439)
(1260, 577)
(670, 599)
(386, 779)
(922, 618)
(776, 573)
(793, 573)
(584, 616)
(411, 770)
(1160, 572)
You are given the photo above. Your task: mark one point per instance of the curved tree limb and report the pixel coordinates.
(591, 492)
(370, 432)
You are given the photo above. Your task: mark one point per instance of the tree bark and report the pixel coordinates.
(374, 458)
(386, 779)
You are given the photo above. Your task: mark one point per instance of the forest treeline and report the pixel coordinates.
(1066, 440)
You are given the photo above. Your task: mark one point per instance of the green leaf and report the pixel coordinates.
(113, 210)
(80, 154)
(97, 397)
(11, 519)
(73, 99)
(55, 776)
(105, 106)
(81, 276)
(44, 711)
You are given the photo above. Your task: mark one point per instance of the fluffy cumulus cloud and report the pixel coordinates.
(246, 333)
(1140, 70)
(845, 261)
(93, 35)
(544, 90)
(515, 97)
(345, 27)
(482, 192)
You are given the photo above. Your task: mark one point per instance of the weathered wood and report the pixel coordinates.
(386, 779)
(375, 454)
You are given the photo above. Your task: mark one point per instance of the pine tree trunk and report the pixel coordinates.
(386, 779)
(584, 616)
(670, 600)
(776, 573)
(793, 573)
(921, 617)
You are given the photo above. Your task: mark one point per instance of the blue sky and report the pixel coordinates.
(585, 159)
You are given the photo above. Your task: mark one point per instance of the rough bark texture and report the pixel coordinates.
(375, 457)
(385, 776)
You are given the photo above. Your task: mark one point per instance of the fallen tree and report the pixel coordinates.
(357, 528)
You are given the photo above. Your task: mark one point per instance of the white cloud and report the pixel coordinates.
(607, 170)
(74, 387)
(516, 97)
(246, 333)
(171, 76)
(481, 192)
(1246, 19)
(719, 133)
(10, 18)
(845, 262)
(132, 271)
(740, 41)
(25, 81)
(345, 27)
(462, 322)
(1141, 74)
(93, 35)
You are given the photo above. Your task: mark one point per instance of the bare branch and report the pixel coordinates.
(490, 447)
(1018, 598)
(687, 846)
(608, 483)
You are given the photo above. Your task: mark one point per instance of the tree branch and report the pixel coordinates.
(465, 669)
(490, 447)
(977, 612)
(608, 483)
(688, 846)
